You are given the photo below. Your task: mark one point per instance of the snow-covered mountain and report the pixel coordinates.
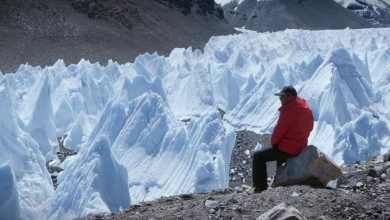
(376, 12)
(243, 13)
(152, 128)
(276, 15)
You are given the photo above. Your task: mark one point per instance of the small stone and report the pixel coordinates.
(232, 201)
(369, 179)
(238, 189)
(246, 187)
(245, 162)
(372, 173)
(359, 184)
(376, 179)
(282, 211)
(383, 176)
(210, 203)
(295, 194)
(247, 152)
(237, 209)
(388, 171)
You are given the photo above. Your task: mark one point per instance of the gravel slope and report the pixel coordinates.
(41, 32)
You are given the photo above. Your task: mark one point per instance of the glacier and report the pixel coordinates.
(154, 127)
(9, 200)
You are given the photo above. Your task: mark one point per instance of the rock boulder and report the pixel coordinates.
(282, 212)
(386, 157)
(310, 167)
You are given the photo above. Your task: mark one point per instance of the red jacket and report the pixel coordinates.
(293, 127)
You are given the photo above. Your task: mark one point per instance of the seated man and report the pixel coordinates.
(289, 137)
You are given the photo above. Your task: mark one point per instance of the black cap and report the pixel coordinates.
(289, 90)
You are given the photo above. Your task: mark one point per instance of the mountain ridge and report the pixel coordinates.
(377, 12)
(279, 15)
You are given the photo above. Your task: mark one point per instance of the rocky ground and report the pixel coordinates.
(362, 193)
(241, 162)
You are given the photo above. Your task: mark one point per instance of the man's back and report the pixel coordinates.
(294, 126)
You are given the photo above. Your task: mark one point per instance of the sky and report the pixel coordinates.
(152, 128)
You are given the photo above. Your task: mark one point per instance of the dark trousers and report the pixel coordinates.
(259, 167)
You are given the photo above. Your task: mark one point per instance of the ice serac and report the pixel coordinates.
(22, 154)
(93, 182)
(336, 93)
(79, 131)
(191, 79)
(151, 66)
(214, 144)
(380, 63)
(164, 157)
(9, 200)
(362, 138)
(250, 84)
(39, 119)
(227, 91)
(128, 89)
(250, 112)
(382, 95)
(81, 86)
(82, 89)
